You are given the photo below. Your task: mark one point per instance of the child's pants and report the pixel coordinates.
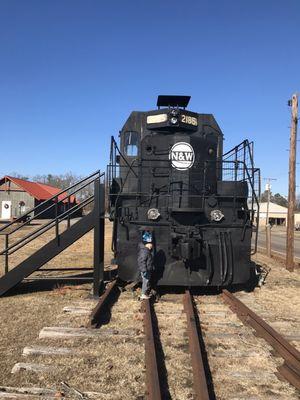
(146, 282)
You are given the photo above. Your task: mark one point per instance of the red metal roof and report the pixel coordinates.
(38, 190)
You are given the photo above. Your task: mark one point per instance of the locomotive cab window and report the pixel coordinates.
(131, 144)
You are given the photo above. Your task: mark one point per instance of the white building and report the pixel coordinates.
(277, 214)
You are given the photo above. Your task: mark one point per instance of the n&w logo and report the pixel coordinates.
(182, 156)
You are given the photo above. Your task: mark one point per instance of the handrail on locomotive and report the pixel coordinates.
(234, 168)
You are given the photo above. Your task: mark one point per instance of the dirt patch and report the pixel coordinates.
(105, 365)
(34, 305)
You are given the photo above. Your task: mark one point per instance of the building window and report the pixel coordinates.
(22, 207)
(131, 144)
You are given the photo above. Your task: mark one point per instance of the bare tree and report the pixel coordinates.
(19, 176)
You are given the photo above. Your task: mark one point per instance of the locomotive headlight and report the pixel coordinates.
(153, 214)
(174, 120)
(216, 215)
(157, 118)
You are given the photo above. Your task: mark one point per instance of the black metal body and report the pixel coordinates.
(177, 167)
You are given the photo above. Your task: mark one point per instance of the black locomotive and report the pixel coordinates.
(169, 176)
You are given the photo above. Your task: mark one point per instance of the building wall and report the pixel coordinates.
(10, 186)
(11, 192)
(277, 218)
(62, 207)
(15, 196)
(49, 214)
(274, 218)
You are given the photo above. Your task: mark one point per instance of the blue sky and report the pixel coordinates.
(71, 71)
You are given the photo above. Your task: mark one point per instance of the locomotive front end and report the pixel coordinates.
(170, 177)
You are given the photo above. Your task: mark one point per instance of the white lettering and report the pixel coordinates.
(182, 156)
(189, 156)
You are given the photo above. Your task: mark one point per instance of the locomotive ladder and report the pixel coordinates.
(64, 210)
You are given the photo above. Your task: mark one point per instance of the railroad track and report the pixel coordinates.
(196, 355)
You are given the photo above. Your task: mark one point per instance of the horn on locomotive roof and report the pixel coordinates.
(172, 101)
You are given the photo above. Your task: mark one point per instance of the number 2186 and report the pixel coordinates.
(187, 119)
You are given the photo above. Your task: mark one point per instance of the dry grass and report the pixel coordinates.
(278, 303)
(32, 306)
(280, 294)
(246, 369)
(108, 365)
(173, 337)
(115, 367)
(80, 254)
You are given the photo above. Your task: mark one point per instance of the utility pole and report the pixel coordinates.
(268, 226)
(292, 186)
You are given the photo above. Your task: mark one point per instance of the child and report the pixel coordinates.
(145, 263)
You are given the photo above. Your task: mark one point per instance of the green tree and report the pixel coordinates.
(277, 198)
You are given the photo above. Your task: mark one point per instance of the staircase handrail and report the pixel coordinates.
(33, 235)
(46, 209)
(52, 205)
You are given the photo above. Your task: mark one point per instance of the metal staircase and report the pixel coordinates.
(66, 232)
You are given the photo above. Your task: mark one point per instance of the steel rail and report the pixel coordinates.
(287, 372)
(200, 380)
(98, 310)
(290, 370)
(152, 376)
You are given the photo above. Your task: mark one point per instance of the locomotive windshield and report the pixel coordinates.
(131, 144)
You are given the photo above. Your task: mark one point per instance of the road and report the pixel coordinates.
(278, 241)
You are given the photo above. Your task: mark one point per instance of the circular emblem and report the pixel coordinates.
(182, 156)
(6, 206)
(216, 215)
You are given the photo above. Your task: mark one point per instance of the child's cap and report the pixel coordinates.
(147, 237)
